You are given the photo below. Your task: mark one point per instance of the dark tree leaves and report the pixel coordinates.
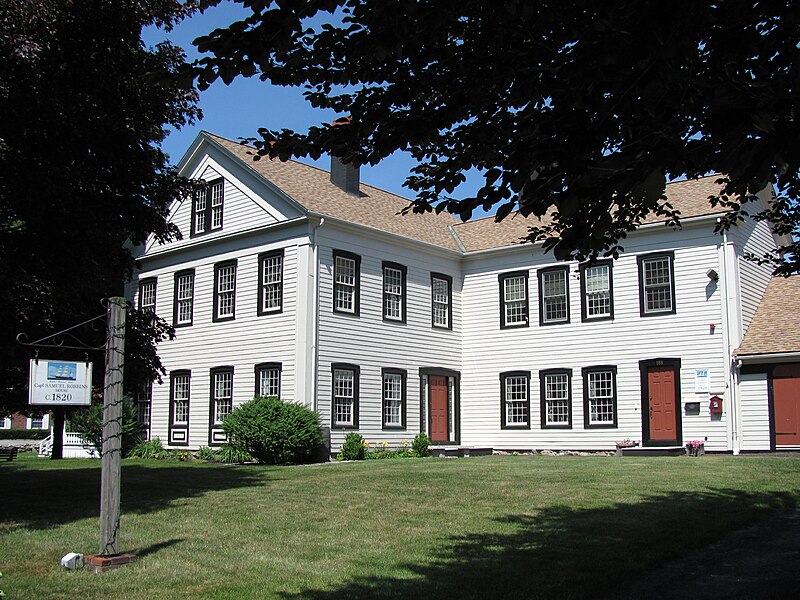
(575, 108)
(83, 107)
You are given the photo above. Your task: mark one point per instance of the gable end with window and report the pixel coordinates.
(207, 206)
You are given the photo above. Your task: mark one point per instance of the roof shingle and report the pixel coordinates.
(776, 325)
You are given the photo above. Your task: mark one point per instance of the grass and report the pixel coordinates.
(489, 528)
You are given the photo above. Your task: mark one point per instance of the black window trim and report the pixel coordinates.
(503, 376)
(178, 275)
(502, 277)
(357, 292)
(212, 424)
(261, 258)
(207, 216)
(217, 267)
(172, 426)
(640, 260)
(585, 376)
(543, 397)
(144, 282)
(403, 295)
(356, 392)
(585, 309)
(449, 280)
(403, 399)
(540, 274)
(262, 367)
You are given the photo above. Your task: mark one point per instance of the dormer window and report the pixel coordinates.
(207, 208)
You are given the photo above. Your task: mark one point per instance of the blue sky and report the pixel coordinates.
(239, 109)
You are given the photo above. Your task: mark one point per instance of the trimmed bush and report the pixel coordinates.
(353, 447)
(420, 445)
(273, 432)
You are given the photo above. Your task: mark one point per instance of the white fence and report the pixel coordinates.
(75, 446)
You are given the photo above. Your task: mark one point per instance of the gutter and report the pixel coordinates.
(731, 366)
(315, 313)
(769, 357)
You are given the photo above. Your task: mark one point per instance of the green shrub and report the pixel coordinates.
(353, 447)
(149, 449)
(89, 422)
(274, 432)
(420, 445)
(24, 434)
(206, 453)
(232, 455)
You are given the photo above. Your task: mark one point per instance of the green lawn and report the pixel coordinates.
(493, 527)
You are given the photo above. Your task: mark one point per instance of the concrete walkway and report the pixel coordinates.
(762, 561)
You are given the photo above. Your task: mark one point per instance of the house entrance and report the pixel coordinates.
(661, 422)
(786, 404)
(439, 404)
(440, 425)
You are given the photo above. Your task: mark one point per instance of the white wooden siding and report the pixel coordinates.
(242, 343)
(373, 344)
(623, 342)
(754, 401)
(757, 239)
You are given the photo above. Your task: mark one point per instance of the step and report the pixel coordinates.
(460, 451)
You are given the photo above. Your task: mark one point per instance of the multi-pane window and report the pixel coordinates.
(514, 299)
(270, 283)
(5, 422)
(143, 404)
(515, 400)
(147, 295)
(600, 396)
(224, 291)
(556, 405)
(207, 208)
(441, 301)
(596, 288)
(268, 379)
(553, 296)
(222, 390)
(346, 282)
(344, 409)
(184, 297)
(656, 285)
(394, 292)
(394, 398)
(37, 422)
(180, 399)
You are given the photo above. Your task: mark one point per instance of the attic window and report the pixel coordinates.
(207, 208)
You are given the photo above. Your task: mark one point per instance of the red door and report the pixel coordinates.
(662, 404)
(786, 394)
(440, 430)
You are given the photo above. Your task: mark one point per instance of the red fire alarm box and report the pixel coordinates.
(715, 405)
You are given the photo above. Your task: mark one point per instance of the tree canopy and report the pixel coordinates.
(575, 108)
(83, 107)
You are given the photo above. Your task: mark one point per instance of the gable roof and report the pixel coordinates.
(776, 325)
(312, 189)
(689, 197)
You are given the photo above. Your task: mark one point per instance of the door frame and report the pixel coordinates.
(773, 431)
(644, 366)
(425, 402)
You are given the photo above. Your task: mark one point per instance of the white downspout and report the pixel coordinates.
(315, 311)
(728, 298)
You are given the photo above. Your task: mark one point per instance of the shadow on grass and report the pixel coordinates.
(561, 552)
(40, 499)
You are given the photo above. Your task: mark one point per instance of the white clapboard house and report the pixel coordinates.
(309, 285)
